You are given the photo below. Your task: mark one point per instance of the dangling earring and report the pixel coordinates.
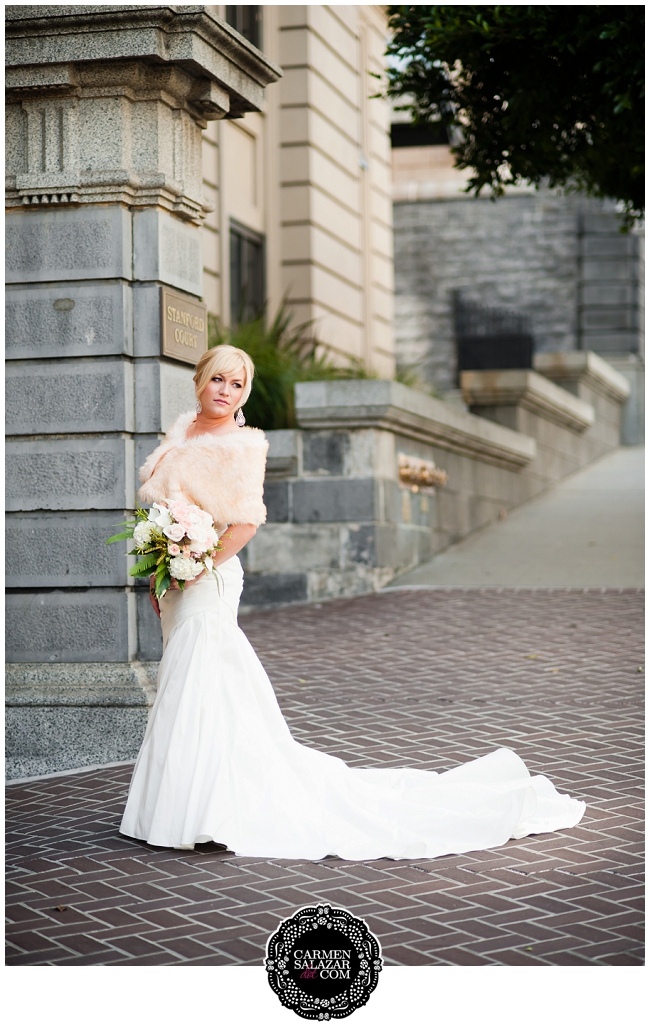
(198, 406)
(240, 418)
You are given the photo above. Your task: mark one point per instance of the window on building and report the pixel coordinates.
(247, 286)
(246, 18)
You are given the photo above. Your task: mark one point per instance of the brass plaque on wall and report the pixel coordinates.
(183, 327)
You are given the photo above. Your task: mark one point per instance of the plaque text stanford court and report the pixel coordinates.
(183, 327)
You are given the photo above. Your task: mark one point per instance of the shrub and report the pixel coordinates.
(283, 356)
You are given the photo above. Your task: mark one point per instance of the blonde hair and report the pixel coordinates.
(224, 358)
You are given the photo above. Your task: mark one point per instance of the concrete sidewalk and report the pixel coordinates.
(585, 532)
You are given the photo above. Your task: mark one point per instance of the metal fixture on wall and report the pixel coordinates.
(490, 338)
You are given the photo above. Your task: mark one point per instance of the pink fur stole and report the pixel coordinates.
(224, 475)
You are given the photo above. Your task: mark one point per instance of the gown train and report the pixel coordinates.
(218, 763)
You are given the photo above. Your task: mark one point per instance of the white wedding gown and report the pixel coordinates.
(218, 763)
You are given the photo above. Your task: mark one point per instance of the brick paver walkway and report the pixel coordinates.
(422, 678)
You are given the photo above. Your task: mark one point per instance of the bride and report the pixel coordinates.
(218, 762)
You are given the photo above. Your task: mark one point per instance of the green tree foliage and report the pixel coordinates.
(530, 93)
(283, 356)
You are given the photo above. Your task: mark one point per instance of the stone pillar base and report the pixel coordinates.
(67, 715)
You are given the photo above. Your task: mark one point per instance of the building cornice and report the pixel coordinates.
(189, 36)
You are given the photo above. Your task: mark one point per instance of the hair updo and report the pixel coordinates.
(228, 359)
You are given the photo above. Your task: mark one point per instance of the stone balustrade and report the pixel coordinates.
(339, 519)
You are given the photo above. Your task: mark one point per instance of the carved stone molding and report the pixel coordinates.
(107, 104)
(186, 35)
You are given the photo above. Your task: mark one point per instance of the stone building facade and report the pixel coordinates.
(560, 260)
(309, 177)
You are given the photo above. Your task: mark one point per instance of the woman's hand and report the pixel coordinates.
(172, 587)
(152, 594)
(233, 540)
(188, 583)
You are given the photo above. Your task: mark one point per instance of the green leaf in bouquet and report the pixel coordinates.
(162, 582)
(125, 535)
(144, 567)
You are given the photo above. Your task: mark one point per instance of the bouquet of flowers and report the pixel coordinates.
(175, 540)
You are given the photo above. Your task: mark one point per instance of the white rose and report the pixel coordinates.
(142, 533)
(174, 531)
(199, 544)
(197, 533)
(199, 526)
(185, 568)
(160, 515)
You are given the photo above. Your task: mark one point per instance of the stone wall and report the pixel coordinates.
(561, 260)
(340, 518)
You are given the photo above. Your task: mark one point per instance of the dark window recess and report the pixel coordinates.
(491, 338)
(404, 134)
(246, 19)
(247, 285)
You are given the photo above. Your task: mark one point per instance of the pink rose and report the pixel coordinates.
(183, 514)
(179, 509)
(186, 551)
(173, 549)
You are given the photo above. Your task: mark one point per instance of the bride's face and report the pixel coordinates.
(222, 396)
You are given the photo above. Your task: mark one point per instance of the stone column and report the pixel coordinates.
(105, 111)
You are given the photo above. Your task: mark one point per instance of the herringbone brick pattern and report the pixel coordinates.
(429, 678)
